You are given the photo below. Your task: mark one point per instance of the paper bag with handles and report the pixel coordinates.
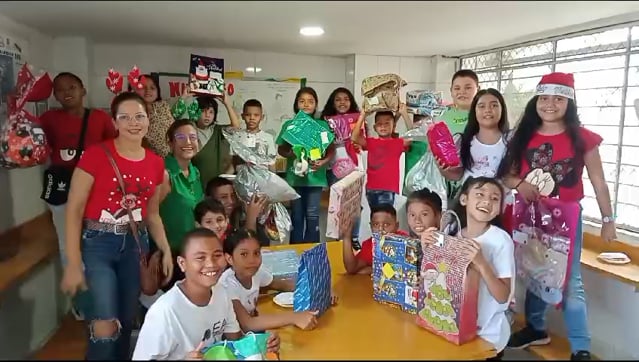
(313, 285)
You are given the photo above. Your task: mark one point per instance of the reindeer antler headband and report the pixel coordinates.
(115, 81)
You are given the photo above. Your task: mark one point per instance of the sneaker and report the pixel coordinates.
(528, 337)
(580, 356)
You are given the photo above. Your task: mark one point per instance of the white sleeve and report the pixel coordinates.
(264, 277)
(155, 341)
(232, 325)
(504, 258)
(230, 284)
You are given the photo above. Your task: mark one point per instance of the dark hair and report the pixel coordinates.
(195, 233)
(387, 208)
(385, 113)
(472, 127)
(177, 125)
(426, 196)
(465, 73)
(70, 75)
(251, 103)
(206, 102)
(207, 205)
(329, 108)
(525, 130)
(236, 237)
(471, 182)
(305, 90)
(216, 182)
(123, 97)
(156, 83)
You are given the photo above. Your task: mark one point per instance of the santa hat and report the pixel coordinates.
(430, 266)
(557, 84)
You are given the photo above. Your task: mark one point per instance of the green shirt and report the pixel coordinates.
(312, 178)
(213, 157)
(176, 210)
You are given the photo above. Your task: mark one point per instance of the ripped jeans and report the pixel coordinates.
(112, 274)
(305, 215)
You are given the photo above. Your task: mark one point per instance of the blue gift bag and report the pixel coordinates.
(313, 285)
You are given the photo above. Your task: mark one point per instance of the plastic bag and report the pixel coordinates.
(257, 179)
(22, 142)
(442, 145)
(425, 175)
(424, 102)
(277, 222)
(252, 346)
(236, 139)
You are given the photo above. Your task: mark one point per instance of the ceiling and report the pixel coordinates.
(401, 28)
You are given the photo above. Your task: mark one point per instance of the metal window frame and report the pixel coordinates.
(627, 52)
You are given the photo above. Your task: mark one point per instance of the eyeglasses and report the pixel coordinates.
(181, 137)
(140, 117)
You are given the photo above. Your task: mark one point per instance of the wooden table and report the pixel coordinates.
(358, 327)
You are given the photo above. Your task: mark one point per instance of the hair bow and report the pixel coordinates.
(115, 80)
(192, 110)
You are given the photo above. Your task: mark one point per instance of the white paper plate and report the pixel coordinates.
(613, 258)
(284, 300)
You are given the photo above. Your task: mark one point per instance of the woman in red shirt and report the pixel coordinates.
(99, 237)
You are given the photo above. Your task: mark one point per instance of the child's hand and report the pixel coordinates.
(348, 231)
(334, 298)
(256, 206)
(315, 165)
(429, 237)
(528, 191)
(403, 110)
(305, 320)
(273, 342)
(194, 355)
(473, 247)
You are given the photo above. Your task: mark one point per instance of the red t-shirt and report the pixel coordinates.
(554, 155)
(366, 252)
(382, 170)
(63, 133)
(106, 203)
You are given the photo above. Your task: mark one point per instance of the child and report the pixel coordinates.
(423, 211)
(550, 138)
(196, 312)
(383, 220)
(210, 214)
(384, 152)
(260, 142)
(239, 216)
(480, 203)
(244, 280)
(483, 144)
(305, 210)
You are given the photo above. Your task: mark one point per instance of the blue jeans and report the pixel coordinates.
(332, 179)
(112, 273)
(574, 304)
(377, 197)
(305, 215)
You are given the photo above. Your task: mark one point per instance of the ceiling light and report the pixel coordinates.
(311, 31)
(253, 69)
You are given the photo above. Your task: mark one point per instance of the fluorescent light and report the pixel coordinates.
(311, 31)
(253, 69)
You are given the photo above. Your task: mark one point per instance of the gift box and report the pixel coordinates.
(344, 204)
(395, 270)
(313, 285)
(381, 92)
(423, 102)
(448, 290)
(281, 263)
(206, 75)
(309, 134)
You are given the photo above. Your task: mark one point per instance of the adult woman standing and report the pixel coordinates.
(100, 238)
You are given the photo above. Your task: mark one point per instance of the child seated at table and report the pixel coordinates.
(383, 220)
(423, 211)
(197, 311)
(244, 279)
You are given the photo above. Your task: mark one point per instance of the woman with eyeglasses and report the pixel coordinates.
(182, 188)
(103, 254)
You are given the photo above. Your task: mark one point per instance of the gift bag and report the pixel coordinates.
(442, 145)
(345, 160)
(544, 234)
(308, 134)
(344, 204)
(381, 92)
(282, 264)
(252, 346)
(426, 175)
(395, 270)
(448, 290)
(313, 285)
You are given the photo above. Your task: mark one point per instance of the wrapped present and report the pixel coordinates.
(395, 270)
(206, 75)
(442, 145)
(313, 284)
(448, 290)
(423, 102)
(282, 264)
(344, 204)
(252, 346)
(345, 160)
(381, 92)
(309, 135)
(544, 233)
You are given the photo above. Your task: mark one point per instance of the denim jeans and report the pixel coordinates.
(332, 179)
(305, 215)
(376, 197)
(112, 273)
(574, 304)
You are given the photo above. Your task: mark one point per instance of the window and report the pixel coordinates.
(606, 68)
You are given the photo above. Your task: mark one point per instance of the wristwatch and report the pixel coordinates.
(607, 219)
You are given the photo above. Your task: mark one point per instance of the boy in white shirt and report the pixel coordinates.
(260, 142)
(196, 312)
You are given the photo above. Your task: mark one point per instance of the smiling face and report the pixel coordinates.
(384, 125)
(203, 261)
(68, 92)
(215, 222)
(482, 202)
(184, 144)
(463, 91)
(131, 120)
(488, 111)
(342, 103)
(246, 258)
(226, 195)
(552, 109)
(421, 216)
(149, 92)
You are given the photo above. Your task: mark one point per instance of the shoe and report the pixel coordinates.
(528, 337)
(77, 314)
(580, 356)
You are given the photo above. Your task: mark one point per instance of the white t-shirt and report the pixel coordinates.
(248, 297)
(486, 158)
(261, 143)
(174, 326)
(498, 249)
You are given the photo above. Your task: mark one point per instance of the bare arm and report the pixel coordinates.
(352, 264)
(285, 150)
(499, 288)
(165, 187)
(592, 159)
(356, 136)
(81, 184)
(235, 120)
(154, 222)
(262, 321)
